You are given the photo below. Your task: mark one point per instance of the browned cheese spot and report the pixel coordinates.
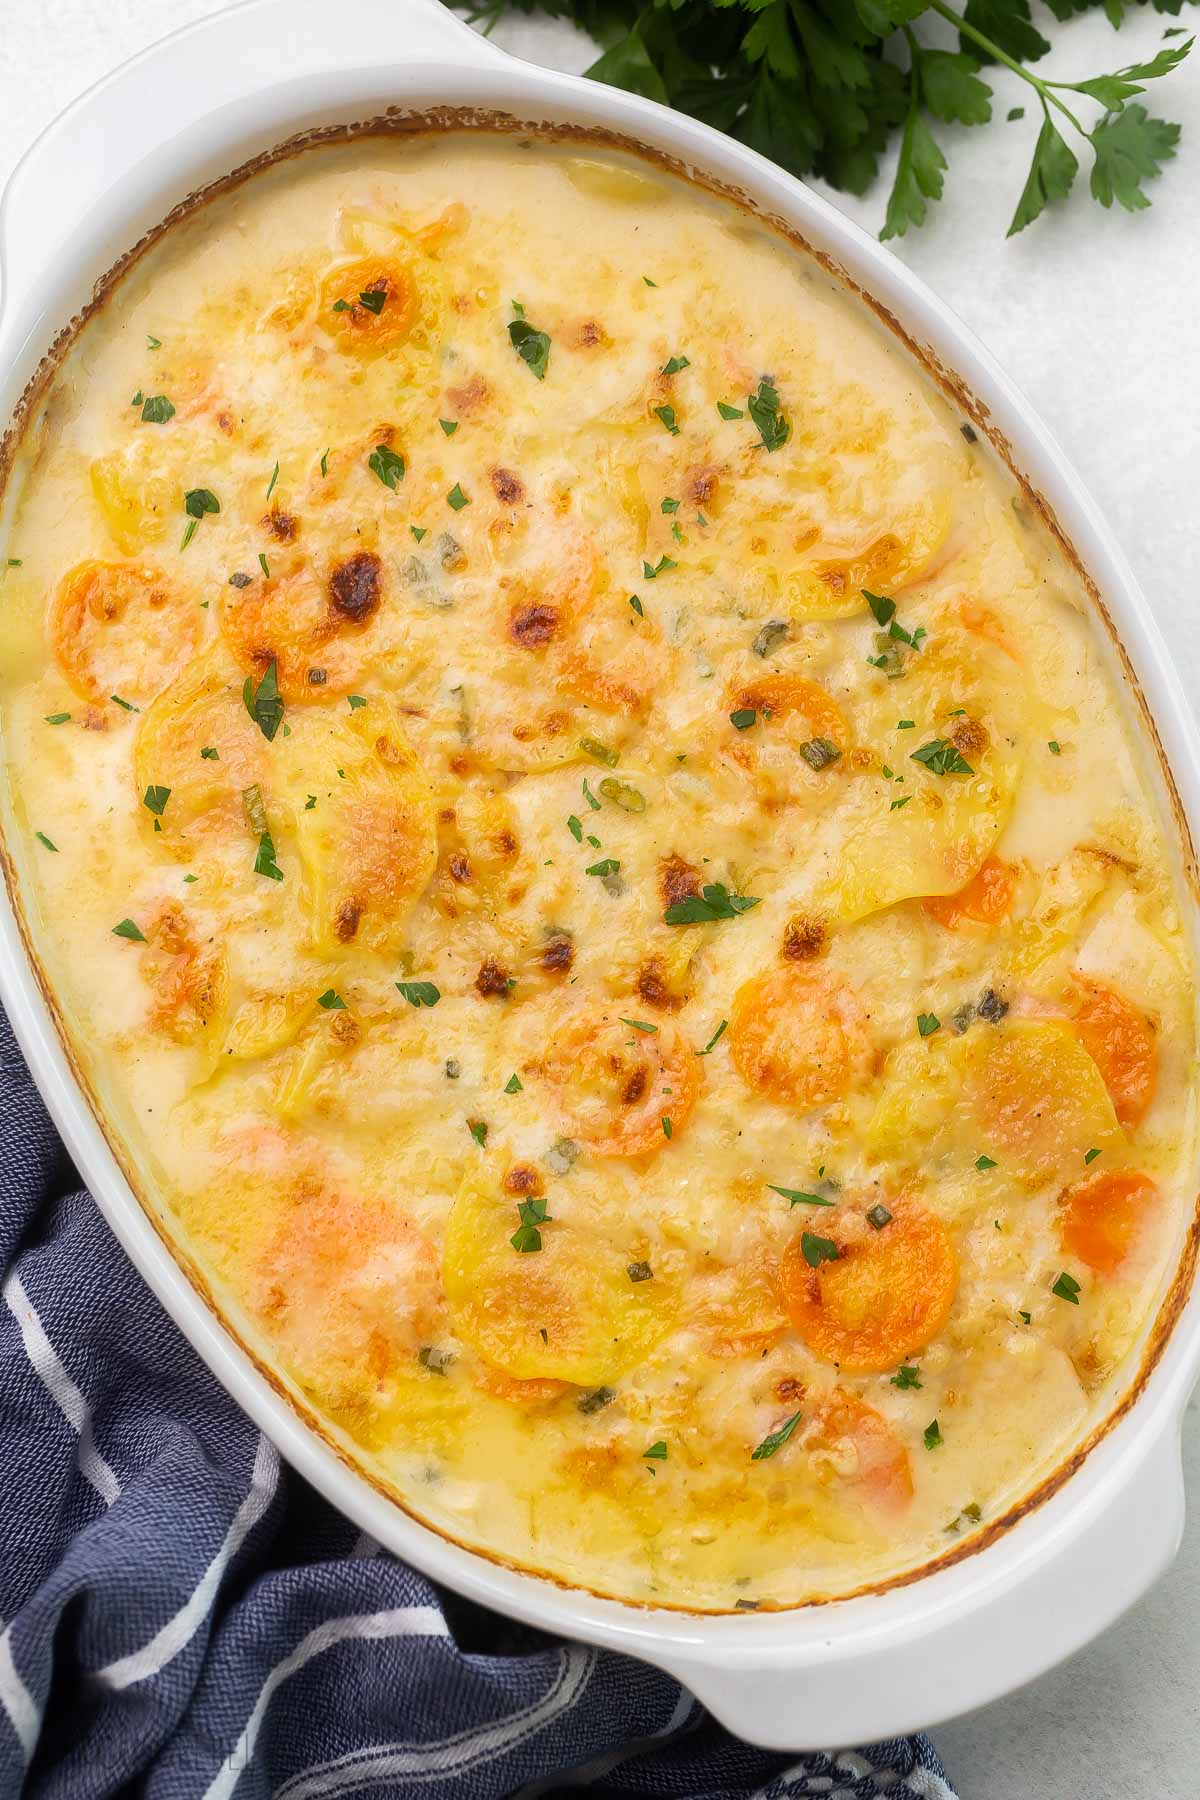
(354, 587)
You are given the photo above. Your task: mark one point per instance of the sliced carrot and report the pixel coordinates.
(799, 1036)
(883, 1474)
(617, 1084)
(791, 696)
(384, 319)
(987, 624)
(1102, 1217)
(884, 1297)
(121, 628)
(1121, 1042)
(984, 901)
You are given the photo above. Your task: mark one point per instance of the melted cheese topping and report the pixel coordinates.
(593, 857)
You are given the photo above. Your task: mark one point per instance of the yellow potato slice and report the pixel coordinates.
(139, 499)
(1025, 1093)
(202, 711)
(959, 691)
(576, 1288)
(368, 841)
(829, 584)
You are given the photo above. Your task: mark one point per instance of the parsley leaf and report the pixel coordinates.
(387, 465)
(816, 1250)
(264, 862)
(763, 407)
(713, 902)
(533, 347)
(264, 703)
(127, 929)
(1067, 1288)
(419, 993)
(906, 1376)
(775, 1440)
(1051, 175)
(798, 1197)
(941, 757)
(1130, 148)
(527, 1237)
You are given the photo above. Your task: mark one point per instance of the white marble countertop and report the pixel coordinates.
(1095, 316)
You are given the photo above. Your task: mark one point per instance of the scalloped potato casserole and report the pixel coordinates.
(593, 854)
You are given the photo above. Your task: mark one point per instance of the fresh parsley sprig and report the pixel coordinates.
(823, 89)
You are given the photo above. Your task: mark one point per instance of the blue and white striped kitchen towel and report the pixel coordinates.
(182, 1618)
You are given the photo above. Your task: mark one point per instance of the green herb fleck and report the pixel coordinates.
(775, 1440)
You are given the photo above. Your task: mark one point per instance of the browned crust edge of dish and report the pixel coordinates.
(398, 121)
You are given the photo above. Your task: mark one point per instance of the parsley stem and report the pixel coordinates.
(985, 43)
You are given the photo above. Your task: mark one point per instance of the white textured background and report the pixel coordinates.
(1096, 317)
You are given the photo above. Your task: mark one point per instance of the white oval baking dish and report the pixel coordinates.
(186, 113)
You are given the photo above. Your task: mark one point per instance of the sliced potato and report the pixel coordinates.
(199, 741)
(575, 1289)
(368, 841)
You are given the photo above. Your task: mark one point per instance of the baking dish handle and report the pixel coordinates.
(130, 115)
(979, 1635)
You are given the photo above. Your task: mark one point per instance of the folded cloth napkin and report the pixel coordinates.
(183, 1618)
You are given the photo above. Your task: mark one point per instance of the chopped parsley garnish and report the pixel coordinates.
(125, 705)
(775, 1440)
(264, 703)
(513, 1085)
(984, 1162)
(273, 480)
(325, 460)
(816, 1250)
(638, 1024)
(197, 502)
(941, 757)
(210, 753)
(743, 718)
(656, 1453)
(713, 902)
(457, 499)
(669, 506)
(665, 1122)
(819, 753)
(897, 804)
(43, 839)
(639, 1271)
(637, 606)
(527, 1237)
(905, 724)
(933, 1435)
(157, 409)
(906, 1376)
(127, 929)
(587, 792)
(310, 803)
(666, 415)
(928, 1023)
(1027, 1317)
(387, 465)
(609, 866)
(356, 700)
(533, 347)
(264, 862)
(648, 281)
(1067, 1288)
(575, 827)
(419, 531)
(153, 343)
(878, 1217)
(719, 1032)
(1054, 747)
(479, 1131)
(331, 1000)
(660, 567)
(57, 718)
(264, 565)
(675, 364)
(1090, 1156)
(729, 412)
(419, 993)
(449, 426)
(799, 1197)
(763, 407)
(155, 800)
